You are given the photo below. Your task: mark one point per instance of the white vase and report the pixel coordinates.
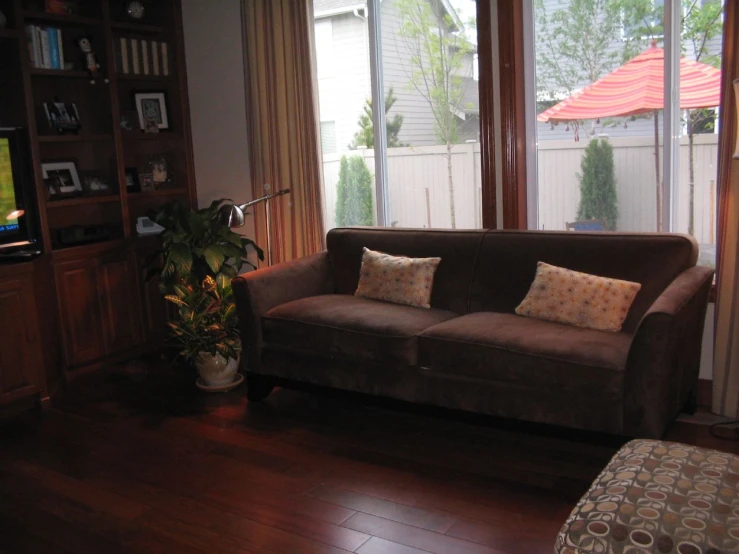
(216, 371)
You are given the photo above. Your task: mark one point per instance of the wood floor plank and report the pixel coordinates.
(142, 462)
(409, 515)
(260, 525)
(377, 545)
(414, 536)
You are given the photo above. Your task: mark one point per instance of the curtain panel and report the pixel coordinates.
(726, 346)
(281, 110)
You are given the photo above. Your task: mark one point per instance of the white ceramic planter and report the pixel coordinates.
(216, 371)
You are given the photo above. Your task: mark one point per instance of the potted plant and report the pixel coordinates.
(199, 257)
(206, 330)
(195, 245)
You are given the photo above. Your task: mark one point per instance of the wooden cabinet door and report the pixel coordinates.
(80, 311)
(120, 301)
(20, 354)
(156, 310)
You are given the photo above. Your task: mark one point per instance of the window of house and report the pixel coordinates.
(328, 137)
(421, 168)
(600, 159)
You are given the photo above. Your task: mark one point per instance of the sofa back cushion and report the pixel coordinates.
(507, 263)
(457, 250)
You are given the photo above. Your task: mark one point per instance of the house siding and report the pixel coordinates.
(345, 85)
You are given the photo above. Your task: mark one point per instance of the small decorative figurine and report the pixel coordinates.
(135, 10)
(90, 60)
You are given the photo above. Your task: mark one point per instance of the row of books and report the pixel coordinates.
(45, 46)
(142, 57)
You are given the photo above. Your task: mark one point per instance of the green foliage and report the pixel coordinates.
(575, 45)
(196, 245)
(354, 193)
(598, 184)
(438, 52)
(366, 134)
(206, 320)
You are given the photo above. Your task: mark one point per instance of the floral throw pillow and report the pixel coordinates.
(396, 278)
(567, 296)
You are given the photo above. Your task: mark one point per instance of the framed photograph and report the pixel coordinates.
(147, 182)
(132, 180)
(152, 109)
(63, 176)
(63, 118)
(96, 184)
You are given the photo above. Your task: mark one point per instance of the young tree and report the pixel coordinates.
(354, 193)
(598, 184)
(437, 54)
(366, 134)
(575, 45)
(701, 23)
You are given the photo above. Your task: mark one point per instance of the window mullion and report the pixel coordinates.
(671, 119)
(378, 113)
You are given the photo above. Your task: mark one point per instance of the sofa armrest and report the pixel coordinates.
(259, 291)
(664, 359)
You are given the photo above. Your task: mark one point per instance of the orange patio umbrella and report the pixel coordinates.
(636, 88)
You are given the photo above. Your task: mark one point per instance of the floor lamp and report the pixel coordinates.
(232, 215)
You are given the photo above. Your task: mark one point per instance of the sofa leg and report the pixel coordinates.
(691, 405)
(258, 387)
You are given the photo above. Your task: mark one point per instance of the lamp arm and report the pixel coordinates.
(263, 198)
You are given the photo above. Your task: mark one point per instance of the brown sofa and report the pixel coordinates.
(470, 351)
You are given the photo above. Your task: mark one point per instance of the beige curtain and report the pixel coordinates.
(282, 123)
(726, 347)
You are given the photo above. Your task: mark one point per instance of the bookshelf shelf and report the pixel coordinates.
(148, 78)
(143, 196)
(138, 27)
(67, 20)
(82, 201)
(161, 136)
(70, 74)
(73, 138)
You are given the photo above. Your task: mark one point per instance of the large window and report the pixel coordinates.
(421, 166)
(611, 151)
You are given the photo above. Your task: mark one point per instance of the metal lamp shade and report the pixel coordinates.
(231, 215)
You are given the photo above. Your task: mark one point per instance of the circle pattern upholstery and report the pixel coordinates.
(658, 497)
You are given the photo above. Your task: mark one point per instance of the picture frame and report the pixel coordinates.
(96, 184)
(61, 177)
(63, 117)
(147, 182)
(132, 180)
(152, 107)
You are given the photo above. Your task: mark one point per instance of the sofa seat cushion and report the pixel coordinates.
(352, 326)
(531, 353)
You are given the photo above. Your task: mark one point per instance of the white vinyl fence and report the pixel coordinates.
(419, 189)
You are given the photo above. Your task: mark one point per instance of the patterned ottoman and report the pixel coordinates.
(658, 497)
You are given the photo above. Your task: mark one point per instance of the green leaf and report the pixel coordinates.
(215, 257)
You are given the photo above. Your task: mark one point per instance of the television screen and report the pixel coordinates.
(8, 204)
(17, 216)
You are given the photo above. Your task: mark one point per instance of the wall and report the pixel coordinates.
(215, 73)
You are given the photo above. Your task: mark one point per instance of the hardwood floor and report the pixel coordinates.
(134, 459)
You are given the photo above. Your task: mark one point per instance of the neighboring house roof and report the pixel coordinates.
(328, 8)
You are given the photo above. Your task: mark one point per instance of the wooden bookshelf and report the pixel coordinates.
(103, 307)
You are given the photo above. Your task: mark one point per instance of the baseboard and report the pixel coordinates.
(705, 393)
